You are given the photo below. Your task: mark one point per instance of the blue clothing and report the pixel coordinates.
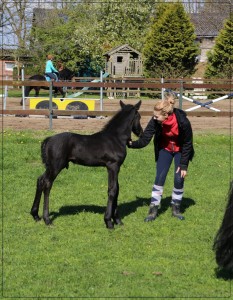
(163, 165)
(50, 71)
(50, 76)
(164, 158)
(49, 68)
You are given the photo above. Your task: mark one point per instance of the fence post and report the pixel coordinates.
(101, 91)
(181, 94)
(23, 87)
(123, 93)
(5, 95)
(50, 105)
(162, 81)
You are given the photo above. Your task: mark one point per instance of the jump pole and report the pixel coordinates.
(181, 93)
(23, 87)
(206, 104)
(199, 104)
(162, 81)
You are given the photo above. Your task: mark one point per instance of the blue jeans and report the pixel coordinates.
(52, 76)
(163, 165)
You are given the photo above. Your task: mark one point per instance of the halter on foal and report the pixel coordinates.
(106, 148)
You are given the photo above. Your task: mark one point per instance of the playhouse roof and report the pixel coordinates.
(123, 48)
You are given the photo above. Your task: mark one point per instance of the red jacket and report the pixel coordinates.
(185, 137)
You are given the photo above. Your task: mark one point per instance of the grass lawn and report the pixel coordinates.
(79, 257)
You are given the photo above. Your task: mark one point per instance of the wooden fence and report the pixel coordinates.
(145, 85)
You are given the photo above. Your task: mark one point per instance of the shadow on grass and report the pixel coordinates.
(165, 205)
(125, 209)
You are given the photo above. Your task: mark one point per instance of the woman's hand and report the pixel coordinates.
(183, 173)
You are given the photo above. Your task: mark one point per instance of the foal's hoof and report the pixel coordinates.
(36, 218)
(109, 224)
(48, 221)
(118, 222)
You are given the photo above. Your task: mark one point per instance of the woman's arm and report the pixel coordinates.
(146, 137)
(51, 66)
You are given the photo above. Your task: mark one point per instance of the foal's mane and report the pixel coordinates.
(119, 118)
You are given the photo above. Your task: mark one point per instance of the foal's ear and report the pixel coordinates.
(137, 106)
(122, 104)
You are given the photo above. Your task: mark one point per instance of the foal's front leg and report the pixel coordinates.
(36, 203)
(113, 189)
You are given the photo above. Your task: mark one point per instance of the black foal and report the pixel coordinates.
(106, 148)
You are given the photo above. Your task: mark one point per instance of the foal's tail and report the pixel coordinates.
(223, 243)
(44, 154)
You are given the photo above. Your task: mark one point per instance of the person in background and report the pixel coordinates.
(173, 140)
(50, 70)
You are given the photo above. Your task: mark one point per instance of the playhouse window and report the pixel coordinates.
(119, 59)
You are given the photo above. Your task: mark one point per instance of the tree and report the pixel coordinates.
(14, 22)
(89, 30)
(121, 23)
(220, 59)
(109, 24)
(170, 49)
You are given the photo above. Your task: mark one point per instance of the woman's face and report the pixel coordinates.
(159, 117)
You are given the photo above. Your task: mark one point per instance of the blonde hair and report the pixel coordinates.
(164, 107)
(170, 97)
(50, 56)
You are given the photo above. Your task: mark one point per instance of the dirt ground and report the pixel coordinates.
(209, 124)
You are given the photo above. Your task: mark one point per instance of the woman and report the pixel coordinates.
(50, 70)
(173, 137)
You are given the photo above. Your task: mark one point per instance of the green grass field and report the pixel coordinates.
(79, 257)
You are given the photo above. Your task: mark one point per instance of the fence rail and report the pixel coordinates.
(56, 112)
(124, 86)
(170, 85)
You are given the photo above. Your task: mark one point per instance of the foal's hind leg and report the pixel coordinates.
(50, 175)
(36, 203)
(46, 202)
(44, 184)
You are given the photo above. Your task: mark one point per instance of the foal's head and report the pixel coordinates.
(136, 125)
